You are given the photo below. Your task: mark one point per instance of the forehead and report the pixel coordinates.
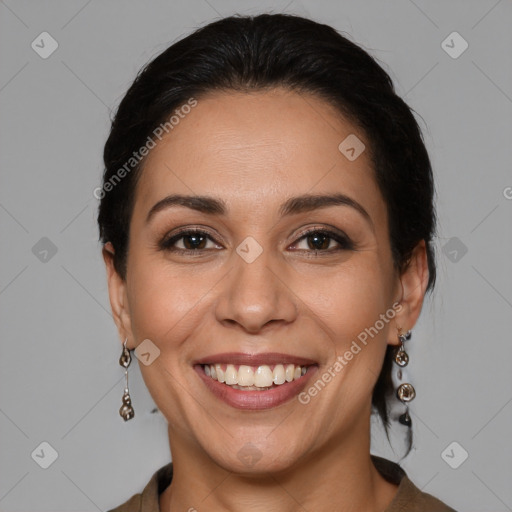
(254, 149)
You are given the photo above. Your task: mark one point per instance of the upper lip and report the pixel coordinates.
(268, 358)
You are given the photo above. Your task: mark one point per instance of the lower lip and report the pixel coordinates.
(256, 400)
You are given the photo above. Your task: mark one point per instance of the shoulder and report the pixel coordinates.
(408, 497)
(148, 499)
(412, 499)
(132, 505)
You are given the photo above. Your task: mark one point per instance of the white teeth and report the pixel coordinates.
(279, 375)
(220, 373)
(262, 379)
(230, 375)
(245, 376)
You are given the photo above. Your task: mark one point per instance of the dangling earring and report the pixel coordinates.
(405, 392)
(126, 411)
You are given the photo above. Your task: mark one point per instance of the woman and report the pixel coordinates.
(267, 219)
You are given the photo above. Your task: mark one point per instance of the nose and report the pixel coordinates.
(256, 294)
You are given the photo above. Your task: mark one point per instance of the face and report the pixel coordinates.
(250, 278)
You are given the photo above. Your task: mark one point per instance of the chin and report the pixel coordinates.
(256, 458)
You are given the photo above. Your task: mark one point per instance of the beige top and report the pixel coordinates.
(407, 499)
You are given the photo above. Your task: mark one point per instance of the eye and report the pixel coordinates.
(194, 241)
(319, 240)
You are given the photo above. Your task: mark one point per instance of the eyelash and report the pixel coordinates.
(345, 243)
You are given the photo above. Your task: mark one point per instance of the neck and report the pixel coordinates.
(342, 473)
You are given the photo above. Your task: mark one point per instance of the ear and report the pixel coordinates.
(118, 297)
(413, 283)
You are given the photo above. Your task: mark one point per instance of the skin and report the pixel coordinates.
(254, 151)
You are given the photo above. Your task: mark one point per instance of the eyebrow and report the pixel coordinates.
(295, 205)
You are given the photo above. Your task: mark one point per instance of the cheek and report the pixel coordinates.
(354, 307)
(163, 301)
(354, 295)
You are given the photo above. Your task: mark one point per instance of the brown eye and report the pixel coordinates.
(319, 240)
(194, 241)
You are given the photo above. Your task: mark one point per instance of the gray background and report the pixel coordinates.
(60, 381)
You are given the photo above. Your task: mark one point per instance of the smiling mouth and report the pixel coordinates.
(254, 378)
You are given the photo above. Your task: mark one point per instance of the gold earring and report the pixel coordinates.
(126, 411)
(405, 391)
